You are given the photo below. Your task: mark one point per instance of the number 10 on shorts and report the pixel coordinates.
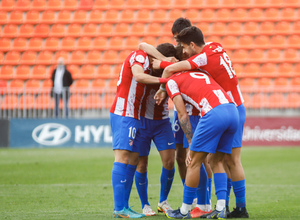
(132, 132)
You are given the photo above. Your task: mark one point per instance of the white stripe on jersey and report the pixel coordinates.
(131, 98)
(119, 106)
(189, 108)
(190, 100)
(240, 93)
(231, 96)
(221, 96)
(121, 75)
(205, 105)
(146, 64)
(139, 113)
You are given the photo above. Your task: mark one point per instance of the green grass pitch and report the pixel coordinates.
(76, 184)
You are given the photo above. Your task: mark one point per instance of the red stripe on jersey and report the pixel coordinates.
(129, 92)
(150, 109)
(198, 89)
(214, 60)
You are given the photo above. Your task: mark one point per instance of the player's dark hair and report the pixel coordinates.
(191, 34)
(180, 24)
(179, 51)
(166, 49)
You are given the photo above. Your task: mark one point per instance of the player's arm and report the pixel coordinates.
(176, 67)
(152, 51)
(168, 71)
(184, 121)
(141, 77)
(183, 117)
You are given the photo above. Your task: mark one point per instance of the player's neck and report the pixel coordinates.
(199, 49)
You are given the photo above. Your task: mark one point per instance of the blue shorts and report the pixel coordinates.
(124, 131)
(178, 132)
(160, 131)
(238, 137)
(216, 129)
(194, 122)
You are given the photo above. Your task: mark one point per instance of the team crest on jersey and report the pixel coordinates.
(140, 59)
(130, 142)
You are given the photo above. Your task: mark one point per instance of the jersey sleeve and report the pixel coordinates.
(139, 58)
(198, 60)
(172, 88)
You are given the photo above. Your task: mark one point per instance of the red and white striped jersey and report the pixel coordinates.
(150, 109)
(214, 60)
(190, 109)
(129, 92)
(198, 89)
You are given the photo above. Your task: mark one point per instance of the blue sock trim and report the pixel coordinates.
(118, 178)
(130, 170)
(141, 182)
(229, 184)
(202, 187)
(166, 180)
(239, 189)
(220, 180)
(188, 194)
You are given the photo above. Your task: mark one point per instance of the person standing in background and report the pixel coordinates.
(61, 81)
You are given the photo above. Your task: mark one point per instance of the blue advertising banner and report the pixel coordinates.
(60, 133)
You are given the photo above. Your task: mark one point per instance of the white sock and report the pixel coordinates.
(201, 207)
(208, 207)
(185, 208)
(220, 204)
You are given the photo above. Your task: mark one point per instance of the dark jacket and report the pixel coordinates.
(67, 79)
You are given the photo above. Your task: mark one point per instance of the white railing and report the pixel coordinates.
(91, 102)
(40, 103)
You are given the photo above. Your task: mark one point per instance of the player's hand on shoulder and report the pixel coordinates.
(159, 96)
(156, 64)
(171, 59)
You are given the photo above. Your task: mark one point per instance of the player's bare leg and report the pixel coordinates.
(208, 168)
(180, 158)
(167, 158)
(216, 162)
(142, 166)
(235, 165)
(193, 170)
(122, 156)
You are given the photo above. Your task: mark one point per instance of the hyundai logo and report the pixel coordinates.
(51, 134)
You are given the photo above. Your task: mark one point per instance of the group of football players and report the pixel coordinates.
(207, 130)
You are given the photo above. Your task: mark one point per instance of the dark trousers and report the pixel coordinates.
(64, 96)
